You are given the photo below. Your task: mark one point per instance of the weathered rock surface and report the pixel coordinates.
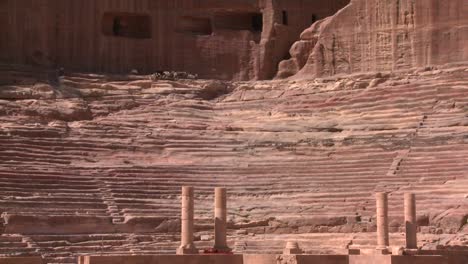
(381, 35)
(105, 157)
(231, 40)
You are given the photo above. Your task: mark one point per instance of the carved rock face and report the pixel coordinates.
(231, 40)
(382, 35)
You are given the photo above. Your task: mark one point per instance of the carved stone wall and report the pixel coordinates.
(121, 35)
(381, 35)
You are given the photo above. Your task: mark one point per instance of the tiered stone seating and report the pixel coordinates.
(37, 192)
(12, 245)
(297, 157)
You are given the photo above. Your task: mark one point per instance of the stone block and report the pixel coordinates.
(292, 251)
(373, 251)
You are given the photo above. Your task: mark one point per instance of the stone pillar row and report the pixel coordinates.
(382, 221)
(220, 222)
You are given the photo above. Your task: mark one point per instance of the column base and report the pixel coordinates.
(222, 249)
(187, 250)
(411, 251)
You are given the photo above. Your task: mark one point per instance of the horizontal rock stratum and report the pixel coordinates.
(94, 163)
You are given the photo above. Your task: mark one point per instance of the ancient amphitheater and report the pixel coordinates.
(372, 99)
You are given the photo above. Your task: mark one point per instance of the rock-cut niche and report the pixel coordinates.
(126, 25)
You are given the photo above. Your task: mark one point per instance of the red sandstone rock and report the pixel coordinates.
(94, 163)
(298, 157)
(381, 36)
(240, 40)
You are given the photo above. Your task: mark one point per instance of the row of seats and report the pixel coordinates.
(305, 154)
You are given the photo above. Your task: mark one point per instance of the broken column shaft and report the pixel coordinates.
(410, 221)
(382, 221)
(220, 214)
(186, 245)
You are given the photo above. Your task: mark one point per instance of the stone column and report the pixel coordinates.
(410, 221)
(186, 245)
(220, 214)
(382, 221)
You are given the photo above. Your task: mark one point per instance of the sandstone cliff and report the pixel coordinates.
(376, 35)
